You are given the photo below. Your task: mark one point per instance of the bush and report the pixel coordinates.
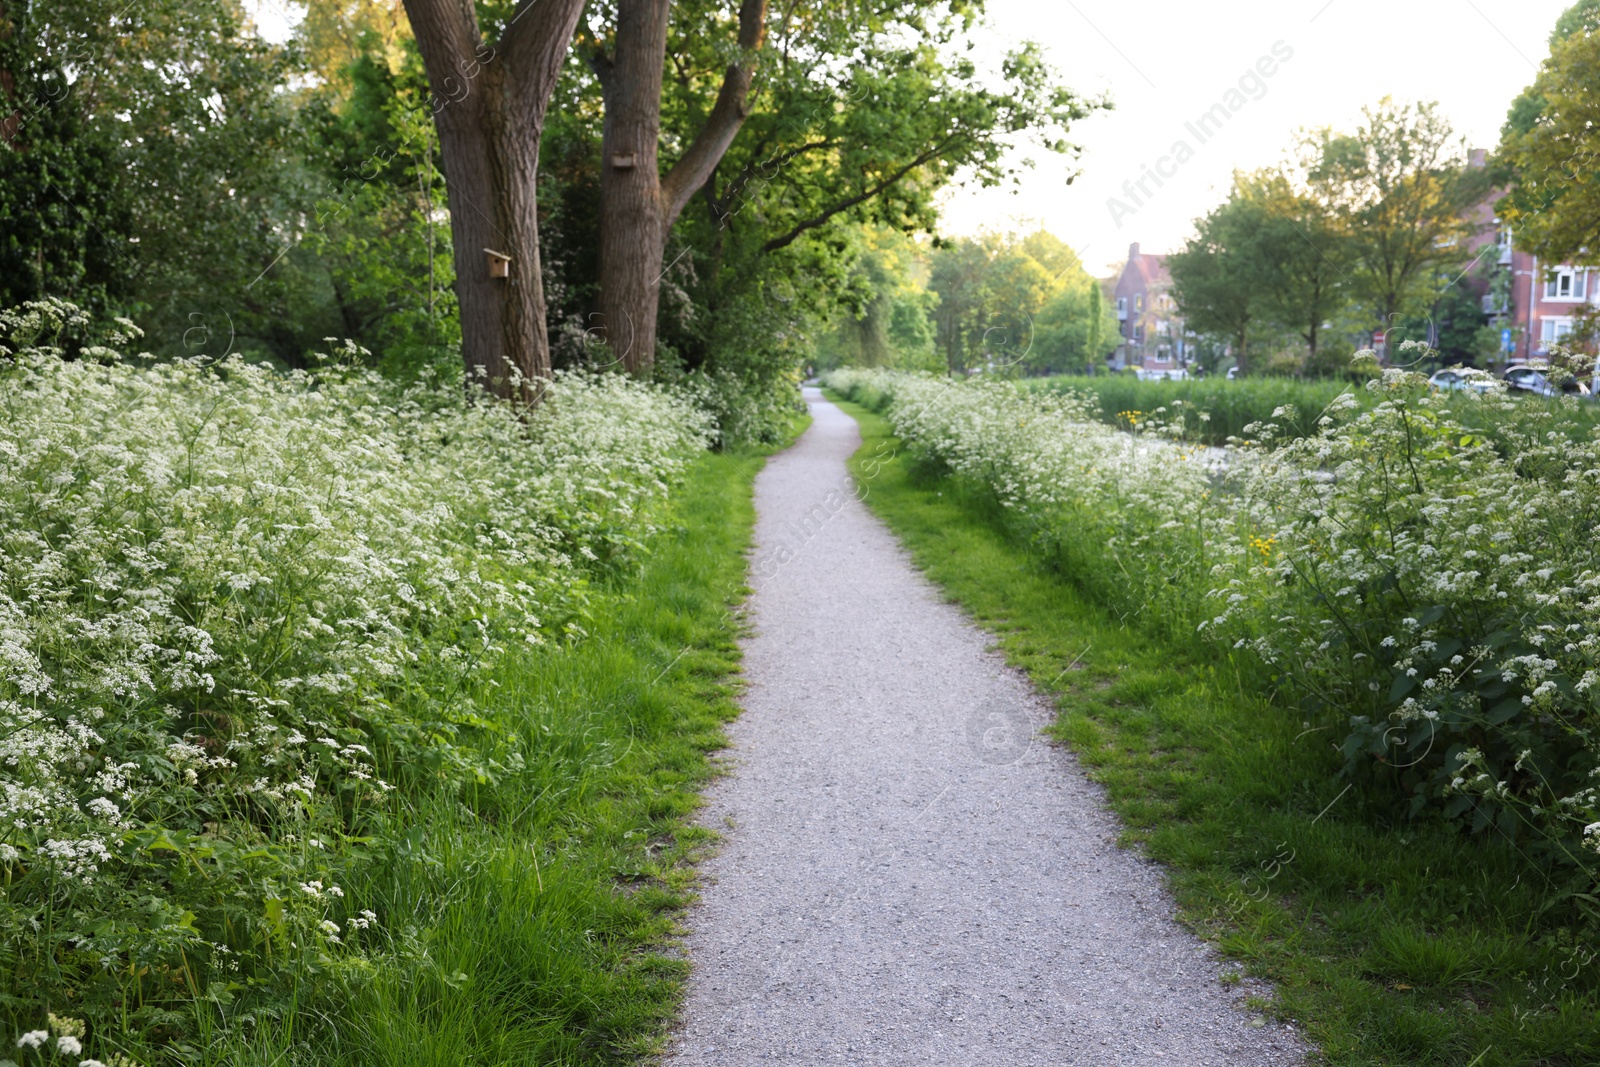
(1430, 570)
(747, 409)
(244, 616)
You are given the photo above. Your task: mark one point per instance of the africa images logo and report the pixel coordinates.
(1252, 86)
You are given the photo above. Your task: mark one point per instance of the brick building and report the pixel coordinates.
(1534, 301)
(1153, 334)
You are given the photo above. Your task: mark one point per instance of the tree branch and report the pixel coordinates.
(736, 187)
(844, 205)
(722, 125)
(448, 37)
(534, 43)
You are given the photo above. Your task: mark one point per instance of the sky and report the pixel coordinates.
(1166, 62)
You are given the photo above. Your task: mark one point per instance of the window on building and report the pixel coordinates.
(1138, 304)
(1553, 330)
(1564, 283)
(1122, 305)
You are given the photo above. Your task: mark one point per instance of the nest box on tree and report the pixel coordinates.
(499, 263)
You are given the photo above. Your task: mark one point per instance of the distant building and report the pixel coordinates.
(1532, 303)
(1529, 302)
(1153, 335)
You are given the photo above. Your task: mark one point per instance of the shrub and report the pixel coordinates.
(1432, 574)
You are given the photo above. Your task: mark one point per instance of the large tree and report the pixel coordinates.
(1550, 147)
(1221, 275)
(1401, 186)
(490, 95)
(858, 113)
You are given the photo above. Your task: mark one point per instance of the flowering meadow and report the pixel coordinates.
(247, 620)
(1420, 575)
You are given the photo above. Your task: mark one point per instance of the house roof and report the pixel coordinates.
(1144, 271)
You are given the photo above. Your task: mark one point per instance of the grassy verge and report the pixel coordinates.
(529, 923)
(1389, 942)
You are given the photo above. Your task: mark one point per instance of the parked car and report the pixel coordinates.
(1457, 379)
(1528, 378)
(1532, 378)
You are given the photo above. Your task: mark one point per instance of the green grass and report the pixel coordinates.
(1389, 942)
(530, 923)
(1233, 405)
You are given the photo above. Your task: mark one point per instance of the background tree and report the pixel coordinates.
(888, 321)
(960, 278)
(1221, 275)
(1400, 188)
(1305, 255)
(1550, 147)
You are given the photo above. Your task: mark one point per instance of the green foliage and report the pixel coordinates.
(1549, 147)
(150, 163)
(1017, 305)
(380, 235)
(891, 321)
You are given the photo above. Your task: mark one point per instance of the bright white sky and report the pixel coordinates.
(1164, 62)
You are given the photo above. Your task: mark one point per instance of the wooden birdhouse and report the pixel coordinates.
(499, 263)
(623, 160)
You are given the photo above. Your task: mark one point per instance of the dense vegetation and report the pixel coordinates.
(326, 704)
(1390, 942)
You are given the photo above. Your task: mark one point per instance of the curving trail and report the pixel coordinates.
(909, 876)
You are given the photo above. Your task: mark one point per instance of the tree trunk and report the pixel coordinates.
(489, 107)
(632, 233)
(637, 205)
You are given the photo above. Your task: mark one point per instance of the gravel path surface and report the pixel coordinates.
(910, 876)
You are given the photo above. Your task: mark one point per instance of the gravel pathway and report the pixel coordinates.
(909, 876)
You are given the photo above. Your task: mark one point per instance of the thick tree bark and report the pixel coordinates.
(637, 205)
(12, 120)
(489, 106)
